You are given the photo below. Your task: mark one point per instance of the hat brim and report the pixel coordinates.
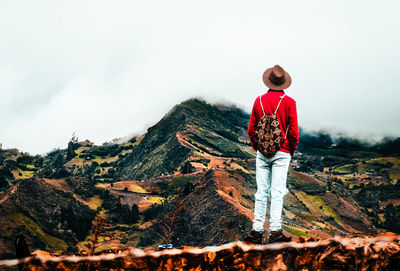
(268, 83)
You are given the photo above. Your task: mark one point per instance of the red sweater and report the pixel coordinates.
(287, 115)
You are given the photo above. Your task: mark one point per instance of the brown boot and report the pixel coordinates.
(254, 237)
(278, 237)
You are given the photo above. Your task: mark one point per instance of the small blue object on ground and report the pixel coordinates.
(165, 246)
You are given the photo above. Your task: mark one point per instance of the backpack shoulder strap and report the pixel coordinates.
(262, 105)
(279, 103)
(287, 130)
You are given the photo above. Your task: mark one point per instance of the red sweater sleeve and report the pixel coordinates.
(293, 133)
(252, 124)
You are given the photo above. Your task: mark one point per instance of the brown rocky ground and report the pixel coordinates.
(364, 253)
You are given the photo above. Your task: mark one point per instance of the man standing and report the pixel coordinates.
(271, 172)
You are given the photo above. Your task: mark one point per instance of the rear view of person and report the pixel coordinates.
(274, 134)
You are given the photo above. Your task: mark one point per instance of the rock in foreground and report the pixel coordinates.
(364, 253)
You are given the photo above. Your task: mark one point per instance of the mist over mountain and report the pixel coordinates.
(197, 166)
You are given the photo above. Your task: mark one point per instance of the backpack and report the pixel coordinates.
(267, 138)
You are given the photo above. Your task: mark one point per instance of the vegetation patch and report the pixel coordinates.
(52, 243)
(157, 199)
(319, 202)
(319, 224)
(394, 173)
(101, 160)
(77, 161)
(306, 183)
(102, 185)
(30, 167)
(395, 161)
(316, 206)
(95, 202)
(178, 182)
(203, 161)
(296, 231)
(126, 151)
(129, 186)
(78, 151)
(60, 184)
(345, 169)
(22, 174)
(134, 141)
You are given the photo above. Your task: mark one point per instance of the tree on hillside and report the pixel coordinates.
(392, 218)
(25, 159)
(3, 183)
(53, 165)
(187, 168)
(170, 222)
(99, 227)
(73, 145)
(134, 213)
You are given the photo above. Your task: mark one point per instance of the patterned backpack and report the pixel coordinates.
(268, 133)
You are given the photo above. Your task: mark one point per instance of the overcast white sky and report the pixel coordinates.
(107, 69)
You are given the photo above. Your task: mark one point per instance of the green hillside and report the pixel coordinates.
(198, 152)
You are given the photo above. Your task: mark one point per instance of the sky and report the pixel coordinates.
(109, 69)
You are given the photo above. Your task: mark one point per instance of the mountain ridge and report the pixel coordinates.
(136, 184)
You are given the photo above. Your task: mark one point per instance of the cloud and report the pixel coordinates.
(106, 70)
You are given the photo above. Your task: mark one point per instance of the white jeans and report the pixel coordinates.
(271, 175)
